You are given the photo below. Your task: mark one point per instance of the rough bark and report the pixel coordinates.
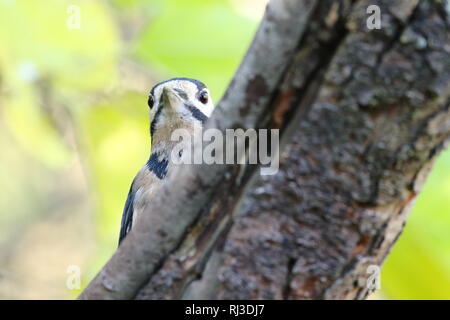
(362, 113)
(245, 103)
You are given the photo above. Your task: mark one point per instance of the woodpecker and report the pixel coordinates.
(178, 103)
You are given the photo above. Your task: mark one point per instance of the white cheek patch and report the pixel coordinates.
(191, 105)
(206, 109)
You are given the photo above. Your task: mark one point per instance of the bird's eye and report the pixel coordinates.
(151, 101)
(203, 97)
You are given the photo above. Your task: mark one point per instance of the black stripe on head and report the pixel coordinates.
(156, 118)
(200, 85)
(196, 112)
(183, 95)
(158, 167)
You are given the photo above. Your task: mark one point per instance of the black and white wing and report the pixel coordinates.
(127, 215)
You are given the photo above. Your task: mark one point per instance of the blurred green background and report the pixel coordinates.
(74, 131)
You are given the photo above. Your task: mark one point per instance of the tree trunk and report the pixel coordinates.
(362, 115)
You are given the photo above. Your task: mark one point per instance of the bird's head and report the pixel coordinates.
(178, 103)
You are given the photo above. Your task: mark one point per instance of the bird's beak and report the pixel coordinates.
(170, 97)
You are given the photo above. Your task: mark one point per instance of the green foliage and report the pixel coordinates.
(117, 144)
(199, 39)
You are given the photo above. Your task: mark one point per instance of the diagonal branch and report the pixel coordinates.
(355, 163)
(188, 192)
(362, 115)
